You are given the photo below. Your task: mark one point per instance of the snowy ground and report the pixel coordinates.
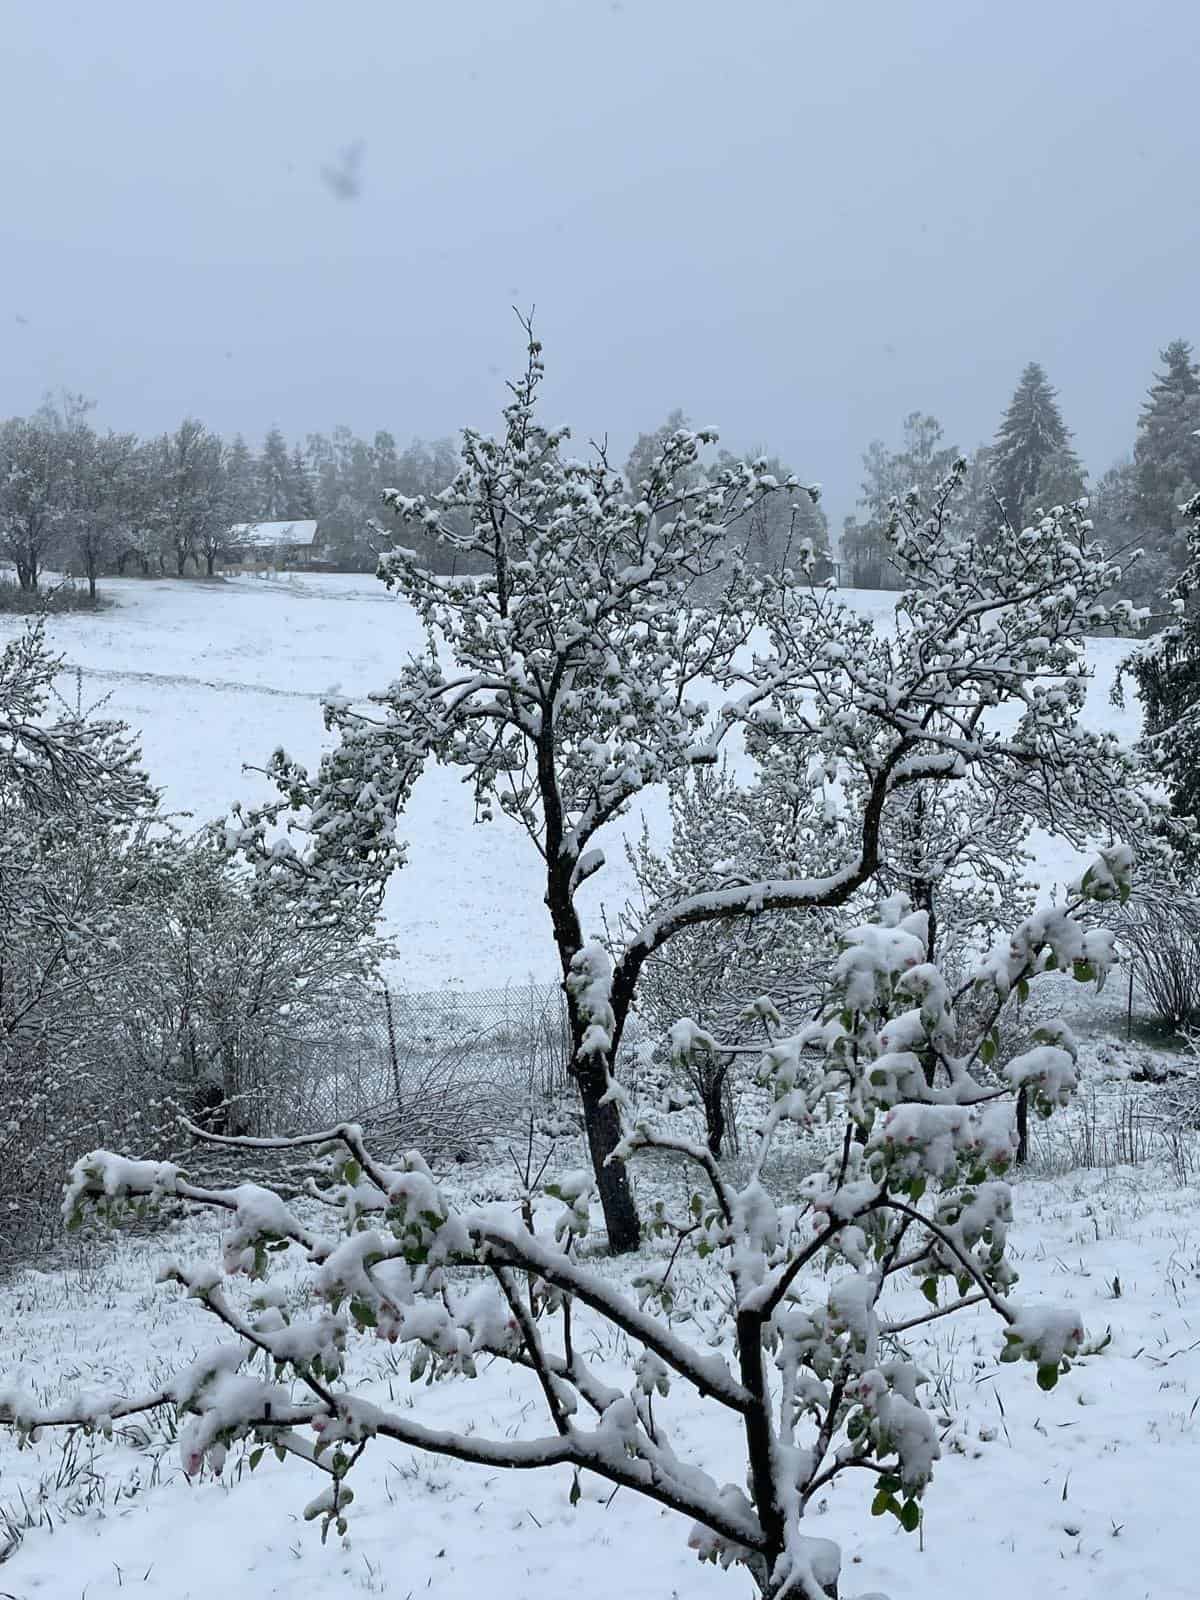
(1087, 1490)
(215, 676)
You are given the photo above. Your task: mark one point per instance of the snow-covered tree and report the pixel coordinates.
(919, 465)
(1167, 452)
(809, 1351)
(192, 507)
(1033, 453)
(1166, 672)
(72, 798)
(566, 678)
(113, 502)
(242, 481)
(40, 484)
(274, 471)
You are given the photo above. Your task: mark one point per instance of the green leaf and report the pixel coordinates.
(1047, 1374)
(930, 1290)
(910, 1516)
(256, 1456)
(882, 1502)
(363, 1314)
(987, 1050)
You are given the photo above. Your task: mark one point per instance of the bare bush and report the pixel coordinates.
(1161, 939)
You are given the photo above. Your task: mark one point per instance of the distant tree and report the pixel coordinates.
(193, 506)
(781, 531)
(275, 479)
(303, 501)
(1033, 448)
(241, 475)
(648, 449)
(1166, 456)
(113, 501)
(888, 476)
(40, 484)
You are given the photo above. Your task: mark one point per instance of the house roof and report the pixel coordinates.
(266, 535)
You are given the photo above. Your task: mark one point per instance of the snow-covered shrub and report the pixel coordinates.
(809, 1360)
(140, 972)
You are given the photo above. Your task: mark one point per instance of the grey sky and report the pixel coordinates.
(799, 221)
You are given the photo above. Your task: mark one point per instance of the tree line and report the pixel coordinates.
(1032, 465)
(96, 502)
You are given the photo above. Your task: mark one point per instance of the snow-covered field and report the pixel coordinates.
(215, 676)
(1088, 1490)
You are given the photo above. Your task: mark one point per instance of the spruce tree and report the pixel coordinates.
(274, 478)
(242, 476)
(302, 500)
(1033, 449)
(1167, 453)
(1167, 674)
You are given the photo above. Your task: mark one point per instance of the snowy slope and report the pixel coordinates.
(217, 675)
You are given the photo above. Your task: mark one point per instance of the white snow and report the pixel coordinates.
(1087, 1489)
(215, 676)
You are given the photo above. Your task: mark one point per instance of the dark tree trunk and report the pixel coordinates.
(603, 1124)
(209, 558)
(714, 1112)
(1022, 1125)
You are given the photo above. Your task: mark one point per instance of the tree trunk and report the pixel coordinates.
(1022, 1125)
(209, 557)
(714, 1113)
(603, 1124)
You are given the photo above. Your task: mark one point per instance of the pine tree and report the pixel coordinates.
(1033, 444)
(1167, 453)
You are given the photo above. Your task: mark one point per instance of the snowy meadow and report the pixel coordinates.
(1093, 1475)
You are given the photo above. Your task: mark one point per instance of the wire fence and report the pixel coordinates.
(445, 1071)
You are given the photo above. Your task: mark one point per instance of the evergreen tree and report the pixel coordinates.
(1033, 440)
(274, 479)
(1167, 453)
(242, 477)
(303, 500)
(1167, 675)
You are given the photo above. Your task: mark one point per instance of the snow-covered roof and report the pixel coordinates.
(266, 535)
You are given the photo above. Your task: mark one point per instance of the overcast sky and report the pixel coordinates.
(796, 220)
